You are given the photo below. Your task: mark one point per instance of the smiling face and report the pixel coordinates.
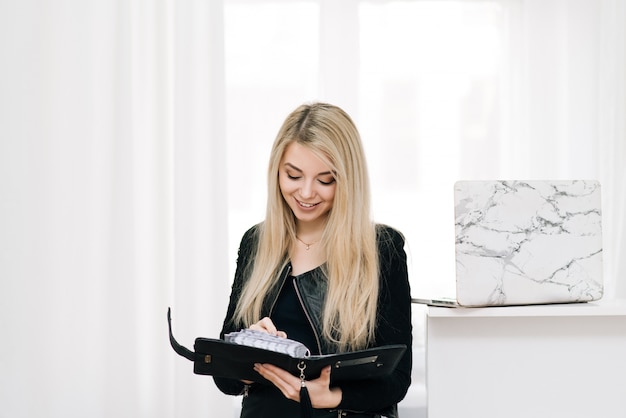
(307, 184)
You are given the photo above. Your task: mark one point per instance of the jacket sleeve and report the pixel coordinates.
(394, 327)
(246, 248)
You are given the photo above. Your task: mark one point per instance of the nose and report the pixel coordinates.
(307, 190)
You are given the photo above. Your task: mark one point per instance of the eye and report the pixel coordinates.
(292, 177)
(327, 182)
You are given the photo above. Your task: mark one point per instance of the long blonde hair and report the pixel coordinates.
(349, 238)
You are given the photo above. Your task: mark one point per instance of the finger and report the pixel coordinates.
(265, 325)
(288, 384)
(268, 326)
(277, 374)
(325, 376)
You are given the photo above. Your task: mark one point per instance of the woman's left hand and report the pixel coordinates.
(320, 392)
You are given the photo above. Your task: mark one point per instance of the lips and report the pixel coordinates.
(306, 205)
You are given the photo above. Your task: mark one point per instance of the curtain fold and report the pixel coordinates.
(113, 206)
(202, 283)
(611, 140)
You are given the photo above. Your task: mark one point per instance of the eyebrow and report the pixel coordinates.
(324, 173)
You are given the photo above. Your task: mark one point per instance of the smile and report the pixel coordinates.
(306, 205)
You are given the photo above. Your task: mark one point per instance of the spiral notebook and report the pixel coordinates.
(526, 242)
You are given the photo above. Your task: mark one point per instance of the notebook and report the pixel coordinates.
(236, 356)
(526, 242)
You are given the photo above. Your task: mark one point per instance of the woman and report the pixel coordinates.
(318, 271)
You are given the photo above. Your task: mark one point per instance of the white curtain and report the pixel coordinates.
(134, 136)
(567, 110)
(113, 206)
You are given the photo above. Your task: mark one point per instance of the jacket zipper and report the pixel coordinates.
(308, 316)
(282, 284)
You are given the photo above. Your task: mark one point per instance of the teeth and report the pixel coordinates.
(307, 205)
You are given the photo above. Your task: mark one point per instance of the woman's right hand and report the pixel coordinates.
(266, 325)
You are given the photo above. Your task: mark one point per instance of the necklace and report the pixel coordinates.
(305, 244)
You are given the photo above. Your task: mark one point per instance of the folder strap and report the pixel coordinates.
(183, 351)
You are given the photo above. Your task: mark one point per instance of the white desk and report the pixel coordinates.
(535, 361)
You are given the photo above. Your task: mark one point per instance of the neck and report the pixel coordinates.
(309, 235)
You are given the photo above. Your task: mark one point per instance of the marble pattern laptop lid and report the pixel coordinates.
(528, 242)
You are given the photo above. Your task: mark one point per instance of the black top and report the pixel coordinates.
(288, 315)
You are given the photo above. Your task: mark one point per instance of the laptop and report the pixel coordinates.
(525, 243)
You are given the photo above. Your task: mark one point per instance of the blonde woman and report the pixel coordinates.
(319, 271)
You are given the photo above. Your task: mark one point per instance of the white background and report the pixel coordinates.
(134, 138)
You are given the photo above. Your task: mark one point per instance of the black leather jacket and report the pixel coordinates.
(375, 396)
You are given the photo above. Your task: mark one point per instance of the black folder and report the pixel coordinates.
(219, 358)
